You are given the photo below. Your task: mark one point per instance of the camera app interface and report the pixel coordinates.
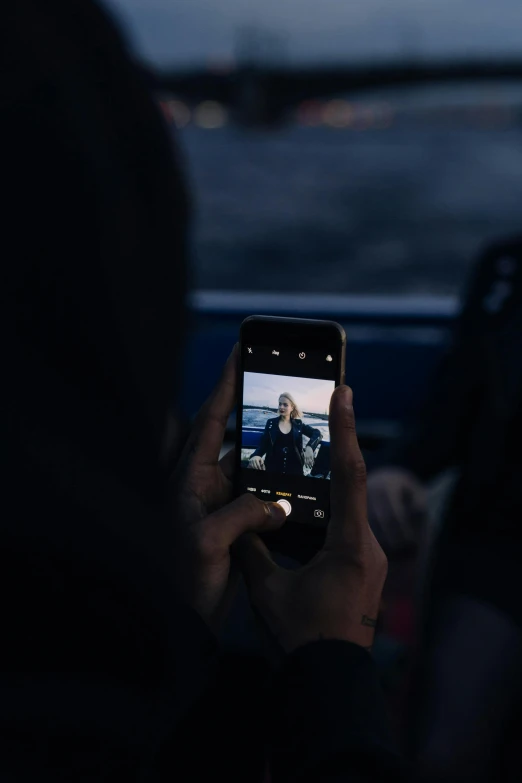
(285, 437)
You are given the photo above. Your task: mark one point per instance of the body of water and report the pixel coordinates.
(395, 211)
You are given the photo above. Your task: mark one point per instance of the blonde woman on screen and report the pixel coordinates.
(281, 446)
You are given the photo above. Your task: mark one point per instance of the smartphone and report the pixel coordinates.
(289, 368)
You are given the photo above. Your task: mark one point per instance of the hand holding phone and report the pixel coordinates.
(337, 595)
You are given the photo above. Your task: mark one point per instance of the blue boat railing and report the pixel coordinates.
(394, 344)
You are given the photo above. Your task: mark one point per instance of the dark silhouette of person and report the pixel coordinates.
(468, 682)
(116, 573)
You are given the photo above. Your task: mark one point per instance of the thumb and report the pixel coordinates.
(245, 514)
(349, 516)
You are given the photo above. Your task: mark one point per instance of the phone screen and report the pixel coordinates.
(283, 420)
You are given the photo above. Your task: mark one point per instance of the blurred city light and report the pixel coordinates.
(341, 114)
(338, 114)
(210, 115)
(177, 112)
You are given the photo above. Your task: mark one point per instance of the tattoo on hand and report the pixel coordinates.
(369, 621)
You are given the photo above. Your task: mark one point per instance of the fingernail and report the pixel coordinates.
(276, 511)
(232, 352)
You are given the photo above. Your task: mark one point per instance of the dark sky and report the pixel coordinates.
(195, 31)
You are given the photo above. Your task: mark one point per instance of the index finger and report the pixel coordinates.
(208, 431)
(349, 516)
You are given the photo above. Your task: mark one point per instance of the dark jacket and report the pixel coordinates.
(101, 666)
(269, 436)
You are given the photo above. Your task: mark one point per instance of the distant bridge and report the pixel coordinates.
(267, 93)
